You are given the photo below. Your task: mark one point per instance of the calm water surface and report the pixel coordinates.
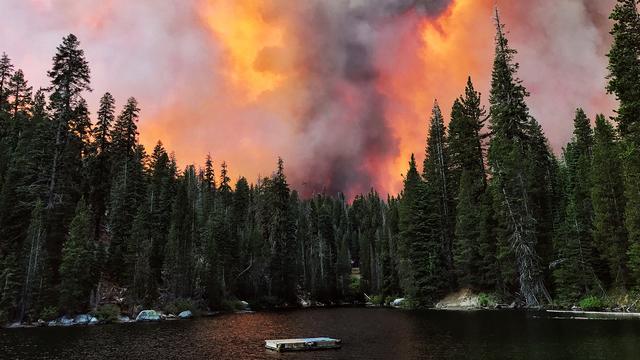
(366, 333)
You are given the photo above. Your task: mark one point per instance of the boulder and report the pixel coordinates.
(83, 319)
(148, 315)
(397, 302)
(65, 321)
(187, 314)
(123, 319)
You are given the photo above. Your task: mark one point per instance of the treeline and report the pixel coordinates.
(88, 217)
(494, 210)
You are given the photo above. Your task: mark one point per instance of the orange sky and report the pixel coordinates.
(342, 89)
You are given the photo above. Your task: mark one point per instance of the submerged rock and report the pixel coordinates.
(123, 319)
(187, 314)
(148, 315)
(85, 319)
(65, 321)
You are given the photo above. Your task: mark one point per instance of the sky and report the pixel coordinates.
(342, 90)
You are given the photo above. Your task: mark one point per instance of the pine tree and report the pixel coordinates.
(20, 93)
(508, 154)
(624, 82)
(409, 213)
(128, 185)
(100, 162)
(224, 190)
(609, 234)
(142, 285)
(77, 266)
(574, 275)
(70, 77)
(160, 194)
(467, 169)
(281, 231)
(34, 268)
(125, 131)
(6, 72)
(624, 66)
(183, 238)
(434, 272)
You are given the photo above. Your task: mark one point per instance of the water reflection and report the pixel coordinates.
(366, 334)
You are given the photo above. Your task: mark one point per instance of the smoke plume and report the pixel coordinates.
(341, 89)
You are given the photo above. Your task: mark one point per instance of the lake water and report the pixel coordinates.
(366, 334)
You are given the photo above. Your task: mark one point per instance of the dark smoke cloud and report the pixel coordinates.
(344, 133)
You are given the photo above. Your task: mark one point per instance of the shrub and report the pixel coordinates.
(377, 300)
(49, 313)
(231, 305)
(591, 303)
(170, 308)
(354, 284)
(486, 300)
(186, 304)
(108, 313)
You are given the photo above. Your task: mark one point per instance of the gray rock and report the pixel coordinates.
(82, 319)
(123, 319)
(65, 321)
(148, 315)
(187, 314)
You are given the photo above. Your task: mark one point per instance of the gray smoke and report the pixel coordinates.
(343, 133)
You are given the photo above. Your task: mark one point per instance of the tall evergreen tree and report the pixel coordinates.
(281, 231)
(624, 82)
(127, 190)
(609, 234)
(70, 77)
(101, 162)
(34, 268)
(77, 266)
(439, 215)
(509, 164)
(574, 274)
(410, 224)
(471, 265)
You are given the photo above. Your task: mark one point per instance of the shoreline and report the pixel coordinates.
(567, 314)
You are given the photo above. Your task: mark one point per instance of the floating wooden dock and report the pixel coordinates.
(319, 343)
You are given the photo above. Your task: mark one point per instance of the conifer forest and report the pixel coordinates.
(89, 217)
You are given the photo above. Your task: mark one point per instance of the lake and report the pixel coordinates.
(367, 333)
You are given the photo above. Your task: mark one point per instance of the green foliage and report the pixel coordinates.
(108, 313)
(77, 266)
(519, 161)
(49, 313)
(377, 300)
(592, 303)
(486, 300)
(609, 235)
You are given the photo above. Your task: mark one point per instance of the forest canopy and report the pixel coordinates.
(89, 217)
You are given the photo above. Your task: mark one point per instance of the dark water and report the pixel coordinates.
(366, 333)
